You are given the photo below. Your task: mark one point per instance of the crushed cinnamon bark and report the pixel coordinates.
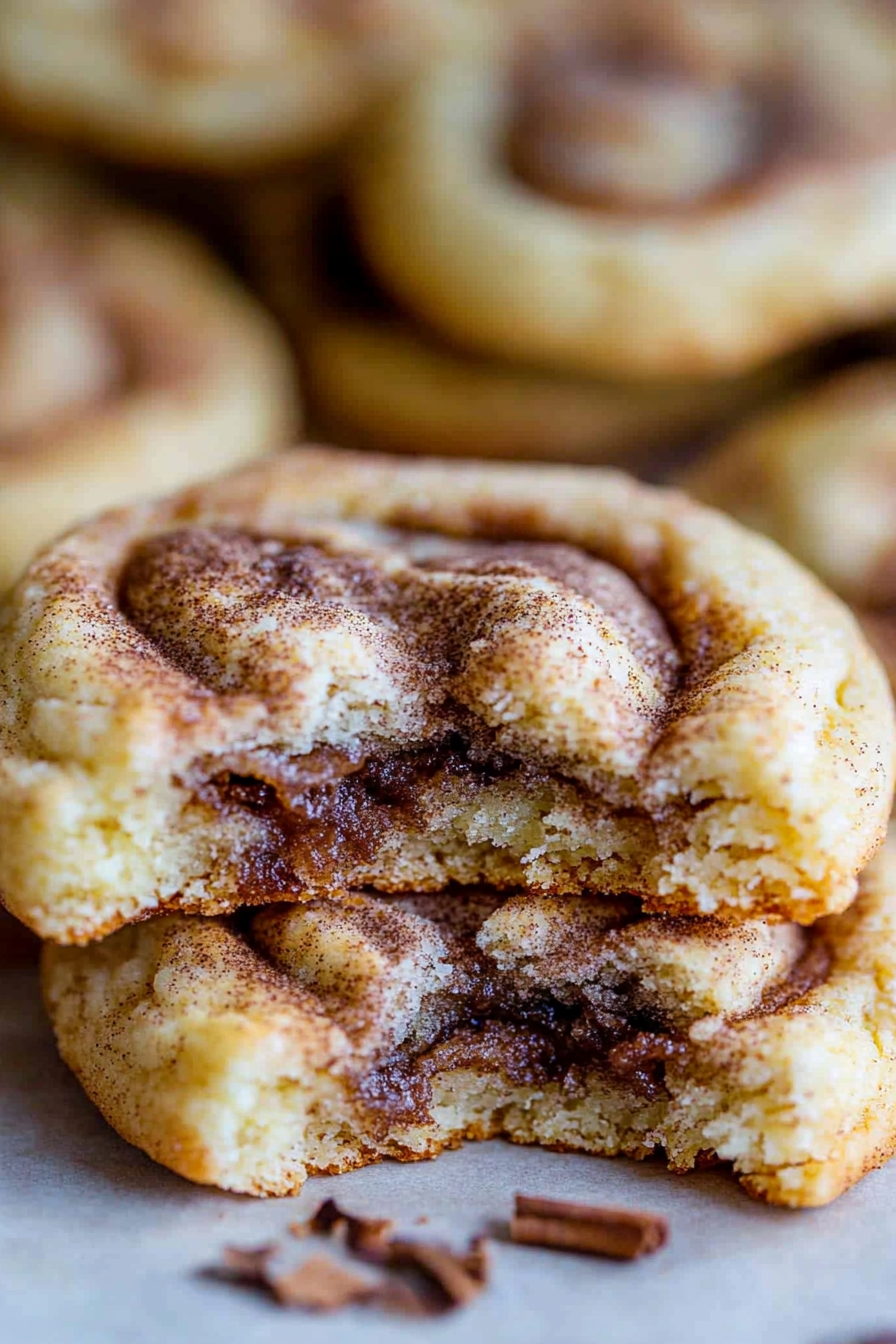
(621, 1234)
(367, 1237)
(424, 1278)
(478, 1261)
(247, 1264)
(452, 1280)
(398, 1298)
(320, 1284)
(445, 1272)
(326, 1217)
(446, 1280)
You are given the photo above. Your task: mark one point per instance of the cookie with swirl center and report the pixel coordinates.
(130, 361)
(816, 473)
(688, 189)
(376, 379)
(332, 671)
(215, 86)
(321, 1037)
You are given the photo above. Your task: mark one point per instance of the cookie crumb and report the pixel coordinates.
(456, 1279)
(367, 1237)
(320, 1284)
(247, 1264)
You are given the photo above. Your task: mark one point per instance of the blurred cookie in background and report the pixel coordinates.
(818, 474)
(217, 85)
(375, 377)
(131, 362)
(676, 189)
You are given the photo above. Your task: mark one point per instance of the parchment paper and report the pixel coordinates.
(97, 1244)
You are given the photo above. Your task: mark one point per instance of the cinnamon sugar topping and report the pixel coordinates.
(340, 673)
(634, 133)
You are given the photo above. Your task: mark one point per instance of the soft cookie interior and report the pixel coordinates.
(252, 1052)
(337, 672)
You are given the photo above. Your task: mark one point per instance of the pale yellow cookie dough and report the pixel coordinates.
(318, 1038)
(330, 671)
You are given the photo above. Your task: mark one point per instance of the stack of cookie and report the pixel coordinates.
(399, 803)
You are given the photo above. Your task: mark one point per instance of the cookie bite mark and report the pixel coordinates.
(341, 672)
(323, 1036)
(431, 619)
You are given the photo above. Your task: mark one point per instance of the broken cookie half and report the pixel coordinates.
(253, 1051)
(333, 672)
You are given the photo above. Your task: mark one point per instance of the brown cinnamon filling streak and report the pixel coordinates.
(491, 1021)
(325, 815)
(657, 119)
(629, 131)
(321, 817)
(535, 1041)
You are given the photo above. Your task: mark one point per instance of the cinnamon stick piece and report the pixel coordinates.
(320, 1284)
(621, 1234)
(367, 1237)
(247, 1264)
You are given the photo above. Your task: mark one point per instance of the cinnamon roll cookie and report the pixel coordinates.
(376, 379)
(817, 474)
(331, 671)
(697, 187)
(130, 361)
(320, 1037)
(215, 85)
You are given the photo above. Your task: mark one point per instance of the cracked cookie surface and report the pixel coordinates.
(255, 1051)
(333, 671)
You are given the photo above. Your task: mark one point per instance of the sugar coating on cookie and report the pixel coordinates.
(331, 671)
(320, 1037)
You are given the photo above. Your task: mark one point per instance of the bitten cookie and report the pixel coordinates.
(331, 671)
(321, 1037)
(687, 189)
(130, 361)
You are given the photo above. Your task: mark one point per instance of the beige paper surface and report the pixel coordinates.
(100, 1246)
